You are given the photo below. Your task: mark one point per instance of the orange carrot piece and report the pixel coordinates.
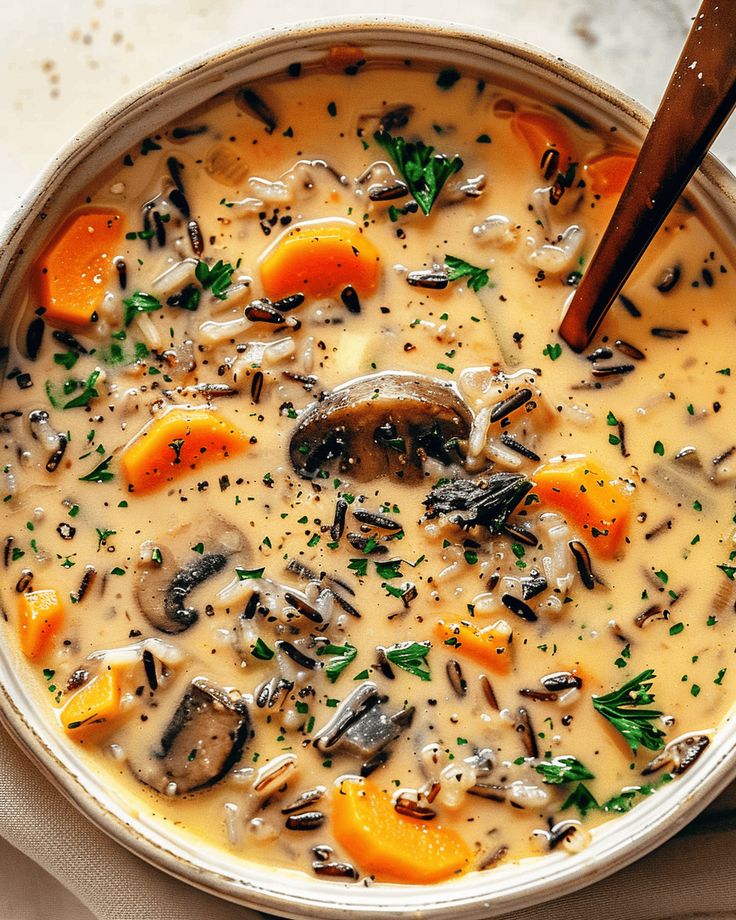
(345, 58)
(589, 498)
(608, 173)
(320, 259)
(489, 646)
(540, 132)
(180, 441)
(94, 706)
(41, 615)
(72, 272)
(391, 846)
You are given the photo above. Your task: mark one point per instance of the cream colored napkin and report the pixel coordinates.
(692, 876)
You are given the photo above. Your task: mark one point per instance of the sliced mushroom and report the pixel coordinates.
(166, 580)
(202, 742)
(487, 501)
(374, 731)
(361, 726)
(679, 754)
(383, 424)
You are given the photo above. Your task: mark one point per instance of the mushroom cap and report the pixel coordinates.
(203, 740)
(382, 424)
(162, 590)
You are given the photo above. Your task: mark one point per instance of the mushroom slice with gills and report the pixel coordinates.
(678, 755)
(382, 424)
(488, 500)
(202, 742)
(167, 578)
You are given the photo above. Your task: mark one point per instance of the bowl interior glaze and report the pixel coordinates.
(509, 887)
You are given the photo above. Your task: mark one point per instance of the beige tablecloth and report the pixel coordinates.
(690, 877)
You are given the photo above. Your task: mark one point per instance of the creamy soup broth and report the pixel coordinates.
(188, 498)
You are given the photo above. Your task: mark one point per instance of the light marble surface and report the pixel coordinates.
(65, 60)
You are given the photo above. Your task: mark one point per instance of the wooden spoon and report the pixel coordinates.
(698, 100)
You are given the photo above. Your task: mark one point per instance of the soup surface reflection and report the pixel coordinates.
(318, 541)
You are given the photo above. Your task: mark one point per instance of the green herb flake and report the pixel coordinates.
(410, 657)
(101, 473)
(66, 360)
(342, 656)
(424, 171)
(581, 798)
(261, 651)
(478, 278)
(624, 709)
(658, 449)
(563, 769)
(389, 570)
(87, 395)
(359, 567)
(102, 537)
(139, 302)
(553, 352)
(216, 279)
(245, 574)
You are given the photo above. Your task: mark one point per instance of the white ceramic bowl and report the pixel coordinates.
(483, 894)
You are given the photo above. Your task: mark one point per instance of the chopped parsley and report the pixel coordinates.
(102, 536)
(87, 395)
(563, 769)
(411, 657)
(217, 279)
(101, 473)
(553, 352)
(623, 709)
(342, 656)
(262, 651)
(458, 268)
(139, 302)
(245, 574)
(423, 170)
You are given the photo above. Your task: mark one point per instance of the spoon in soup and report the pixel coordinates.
(699, 98)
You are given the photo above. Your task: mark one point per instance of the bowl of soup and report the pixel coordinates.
(334, 580)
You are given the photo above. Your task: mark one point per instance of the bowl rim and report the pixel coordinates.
(630, 836)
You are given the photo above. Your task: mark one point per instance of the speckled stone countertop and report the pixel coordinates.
(64, 61)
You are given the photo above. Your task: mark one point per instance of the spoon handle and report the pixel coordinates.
(697, 102)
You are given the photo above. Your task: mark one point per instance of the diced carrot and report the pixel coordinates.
(94, 706)
(180, 441)
(341, 57)
(41, 615)
(608, 173)
(591, 500)
(542, 131)
(320, 259)
(72, 272)
(489, 645)
(391, 846)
